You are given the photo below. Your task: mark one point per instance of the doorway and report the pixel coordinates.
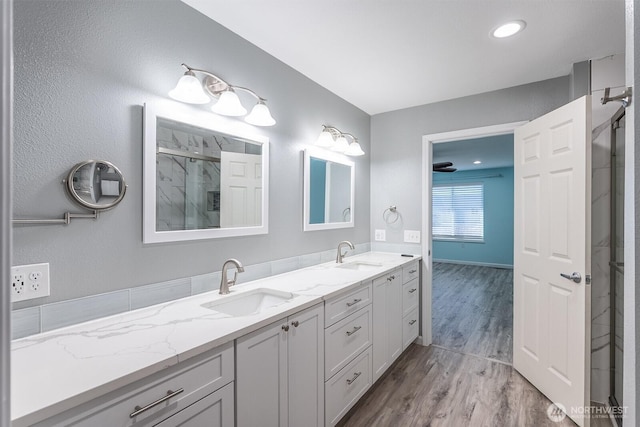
(472, 229)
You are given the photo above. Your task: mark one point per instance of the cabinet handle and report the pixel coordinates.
(412, 322)
(355, 329)
(354, 302)
(295, 323)
(393, 277)
(412, 290)
(285, 328)
(355, 377)
(412, 271)
(138, 410)
(389, 279)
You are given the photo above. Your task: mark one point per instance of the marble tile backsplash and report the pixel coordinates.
(34, 320)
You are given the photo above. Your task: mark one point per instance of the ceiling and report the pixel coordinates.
(492, 151)
(385, 55)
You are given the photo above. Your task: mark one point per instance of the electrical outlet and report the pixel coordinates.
(411, 236)
(380, 235)
(29, 281)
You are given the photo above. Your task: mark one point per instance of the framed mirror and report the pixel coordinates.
(96, 185)
(329, 183)
(204, 178)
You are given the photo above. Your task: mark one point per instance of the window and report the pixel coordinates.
(458, 212)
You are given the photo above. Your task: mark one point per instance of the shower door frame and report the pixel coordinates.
(614, 265)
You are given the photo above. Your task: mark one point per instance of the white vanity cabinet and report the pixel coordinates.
(410, 299)
(196, 392)
(280, 373)
(387, 321)
(348, 338)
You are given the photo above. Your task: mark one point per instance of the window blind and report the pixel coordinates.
(458, 212)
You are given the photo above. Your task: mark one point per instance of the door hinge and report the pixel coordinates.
(587, 279)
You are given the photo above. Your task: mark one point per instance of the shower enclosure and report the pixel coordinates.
(617, 259)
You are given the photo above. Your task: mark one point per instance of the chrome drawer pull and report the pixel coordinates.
(355, 377)
(412, 322)
(412, 290)
(412, 271)
(138, 410)
(354, 302)
(355, 329)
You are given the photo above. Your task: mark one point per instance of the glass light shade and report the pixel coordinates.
(341, 145)
(189, 90)
(229, 105)
(260, 115)
(325, 139)
(354, 149)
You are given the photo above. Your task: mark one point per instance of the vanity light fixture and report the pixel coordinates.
(477, 162)
(191, 90)
(509, 29)
(335, 140)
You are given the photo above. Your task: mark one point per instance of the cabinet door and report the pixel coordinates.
(261, 377)
(380, 348)
(306, 363)
(394, 313)
(215, 410)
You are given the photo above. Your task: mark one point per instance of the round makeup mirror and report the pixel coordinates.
(96, 184)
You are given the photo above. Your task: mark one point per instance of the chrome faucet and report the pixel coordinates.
(225, 283)
(340, 254)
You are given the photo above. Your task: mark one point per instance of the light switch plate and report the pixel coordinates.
(411, 236)
(380, 235)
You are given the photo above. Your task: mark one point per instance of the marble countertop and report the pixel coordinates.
(58, 370)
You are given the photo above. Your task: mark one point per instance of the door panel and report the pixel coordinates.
(552, 157)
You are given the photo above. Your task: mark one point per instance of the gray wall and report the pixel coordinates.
(83, 69)
(5, 210)
(396, 142)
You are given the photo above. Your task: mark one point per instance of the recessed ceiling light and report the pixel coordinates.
(477, 162)
(509, 29)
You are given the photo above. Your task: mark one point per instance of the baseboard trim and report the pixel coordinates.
(482, 264)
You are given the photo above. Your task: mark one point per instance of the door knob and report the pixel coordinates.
(575, 276)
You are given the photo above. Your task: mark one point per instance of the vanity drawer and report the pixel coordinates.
(197, 377)
(344, 389)
(410, 272)
(341, 306)
(344, 340)
(410, 325)
(409, 296)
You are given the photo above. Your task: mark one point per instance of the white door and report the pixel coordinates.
(306, 368)
(261, 377)
(240, 190)
(552, 236)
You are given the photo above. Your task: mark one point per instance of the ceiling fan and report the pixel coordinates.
(443, 167)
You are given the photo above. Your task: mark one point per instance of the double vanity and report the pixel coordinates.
(296, 349)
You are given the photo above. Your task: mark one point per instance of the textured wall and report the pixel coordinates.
(497, 247)
(83, 71)
(396, 152)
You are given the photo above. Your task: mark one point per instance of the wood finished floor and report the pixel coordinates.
(466, 377)
(473, 310)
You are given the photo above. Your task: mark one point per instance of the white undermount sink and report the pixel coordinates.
(360, 265)
(249, 302)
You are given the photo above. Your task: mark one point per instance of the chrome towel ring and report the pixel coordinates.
(393, 211)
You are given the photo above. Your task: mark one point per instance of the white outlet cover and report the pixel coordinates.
(412, 236)
(33, 281)
(380, 235)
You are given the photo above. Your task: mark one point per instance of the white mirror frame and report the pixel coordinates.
(192, 116)
(335, 158)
